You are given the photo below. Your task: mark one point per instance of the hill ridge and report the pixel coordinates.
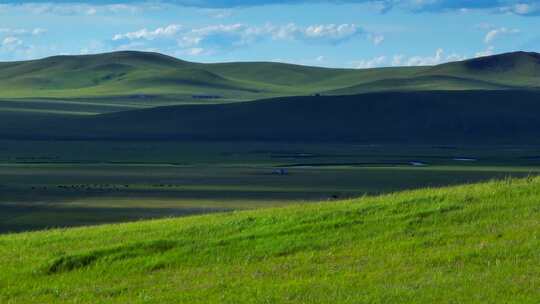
(117, 74)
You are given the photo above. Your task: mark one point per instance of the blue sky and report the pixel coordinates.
(346, 33)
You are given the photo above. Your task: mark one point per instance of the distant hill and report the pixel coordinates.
(429, 117)
(146, 78)
(510, 71)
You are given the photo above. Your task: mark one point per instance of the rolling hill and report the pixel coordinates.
(154, 79)
(468, 244)
(429, 117)
(136, 96)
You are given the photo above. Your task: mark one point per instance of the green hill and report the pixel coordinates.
(469, 244)
(430, 117)
(154, 79)
(513, 69)
(421, 83)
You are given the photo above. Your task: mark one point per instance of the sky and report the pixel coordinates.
(333, 33)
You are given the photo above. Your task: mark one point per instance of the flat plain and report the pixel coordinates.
(61, 184)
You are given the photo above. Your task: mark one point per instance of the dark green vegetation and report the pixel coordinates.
(470, 244)
(431, 117)
(47, 184)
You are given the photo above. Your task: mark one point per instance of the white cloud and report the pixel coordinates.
(324, 32)
(370, 63)
(331, 31)
(16, 43)
(402, 60)
(150, 35)
(397, 60)
(522, 8)
(11, 42)
(438, 58)
(494, 33)
(15, 48)
(490, 50)
(427, 60)
(376, 39)
(220, 37)
(195, 51)
(38, 31)
(22, 31)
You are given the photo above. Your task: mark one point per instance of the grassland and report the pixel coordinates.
(468, 244)
(150, 79)
(429, 117)
(46, 184)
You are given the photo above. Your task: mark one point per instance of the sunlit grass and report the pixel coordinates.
(468, 244)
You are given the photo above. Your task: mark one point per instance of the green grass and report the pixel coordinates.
(155, 79)
(47, 184)
(468, 244)
(39, 196)
(72, 183)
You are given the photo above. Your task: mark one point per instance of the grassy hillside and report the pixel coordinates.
(513, 69)
(155, 79)
(469, 244)
(431, 117)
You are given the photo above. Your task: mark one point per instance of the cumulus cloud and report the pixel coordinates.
(490, 50)
(370, 63)
(438, 58)
(159, 32)
(201, 40)
(330, 31)
(11, 42)
(494, 33)
(14, 47)
(18, 43)
(402, 60)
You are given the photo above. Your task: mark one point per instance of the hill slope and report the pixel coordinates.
(438, 117)
(128, 75)
(471, 244)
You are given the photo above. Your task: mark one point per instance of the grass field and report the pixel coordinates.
(473, 244)
(151, 79)
(46, 184)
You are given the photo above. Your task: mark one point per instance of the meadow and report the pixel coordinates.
(473, 244)
(46, 184)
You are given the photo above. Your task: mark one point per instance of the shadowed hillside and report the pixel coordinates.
(502, 117)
